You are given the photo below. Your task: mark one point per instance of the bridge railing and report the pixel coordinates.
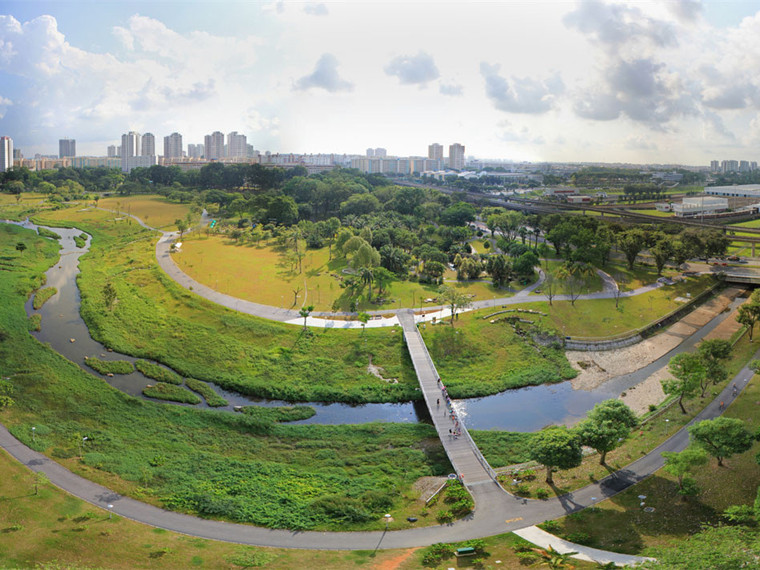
(476, 450)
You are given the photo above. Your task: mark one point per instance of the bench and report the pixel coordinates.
(466, 551)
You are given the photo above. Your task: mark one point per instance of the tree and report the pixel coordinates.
(688, 370)
(606, 426)
(181, 226)
(631, 243)
(499, 270)
(363, 319)
(556, 447)
(383, 277)
(454, 299)
(549, 287)
(713, 353)
(682, 463)
(305, 312)
(21, 247)
(662, 251)
(40, 478)
(367, 276)
(722, 437)
(109, 295)
(524, 264)
(620, 280)
(747, 315)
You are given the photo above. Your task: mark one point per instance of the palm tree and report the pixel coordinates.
(367, 276)
(305, 312)
(554, 559)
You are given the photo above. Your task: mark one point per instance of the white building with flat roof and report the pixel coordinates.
(700, 206)
(738, 191)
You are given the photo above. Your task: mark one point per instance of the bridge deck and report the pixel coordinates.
(464, 455)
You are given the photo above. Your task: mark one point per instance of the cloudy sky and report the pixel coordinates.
(671, 81)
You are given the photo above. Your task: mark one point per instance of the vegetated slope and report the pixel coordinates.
(211, 463)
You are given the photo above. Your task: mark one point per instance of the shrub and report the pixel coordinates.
(171, 392)
(437, 553)
(579, 538)
(157, 372)
(550, 526)
(43, 295)
(212, 398)
(44, 232)
(110, 366)
(542, 494)
(35, 323)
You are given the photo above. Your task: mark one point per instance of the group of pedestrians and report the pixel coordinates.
(456, 430)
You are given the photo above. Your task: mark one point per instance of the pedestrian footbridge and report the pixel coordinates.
(467, 460)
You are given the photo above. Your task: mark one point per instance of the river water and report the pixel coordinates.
(525, 409)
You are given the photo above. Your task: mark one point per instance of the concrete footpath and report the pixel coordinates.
(545, 540)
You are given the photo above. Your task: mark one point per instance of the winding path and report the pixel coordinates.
(496, 512)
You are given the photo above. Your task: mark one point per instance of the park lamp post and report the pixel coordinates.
(34, 431)
(387, 521)
(81, 446)
(110, 510)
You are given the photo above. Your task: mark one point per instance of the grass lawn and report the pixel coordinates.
(156, 211)
(261, 273)
(476, 357)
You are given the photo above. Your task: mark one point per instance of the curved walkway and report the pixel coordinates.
(495, 512)
(323, 320)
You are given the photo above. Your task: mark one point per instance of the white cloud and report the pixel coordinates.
(451, 89)
(520, 95)
(413, 69)
(315, 9)
(325, 76)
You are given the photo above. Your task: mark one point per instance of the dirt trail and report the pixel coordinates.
(396, 562)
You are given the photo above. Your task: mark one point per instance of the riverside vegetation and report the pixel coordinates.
(346, 476)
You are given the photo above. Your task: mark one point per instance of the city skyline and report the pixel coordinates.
(586, 81)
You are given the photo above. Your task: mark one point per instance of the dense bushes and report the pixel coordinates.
(110, 366)
(157, 372)
(171, 392)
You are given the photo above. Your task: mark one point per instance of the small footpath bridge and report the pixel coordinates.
(468, 462)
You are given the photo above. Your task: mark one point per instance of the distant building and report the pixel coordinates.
(214, 146)
(237, 145)
(130, 149)
(195, 150)
(173, 146)
(700, 206)
(112, 151)
(6, 153)
(381, 153)
(17, 154)
(435, 151)
(456, 156)
(370, 153)
(67, 148)
(148, 145)
(714, 166)
(729, 166)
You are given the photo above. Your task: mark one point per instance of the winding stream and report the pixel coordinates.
(524, 409)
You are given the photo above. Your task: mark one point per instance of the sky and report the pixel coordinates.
(667, 82)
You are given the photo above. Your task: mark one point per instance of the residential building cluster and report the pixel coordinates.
(139, 150)
(726, 166)
(378, 161)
